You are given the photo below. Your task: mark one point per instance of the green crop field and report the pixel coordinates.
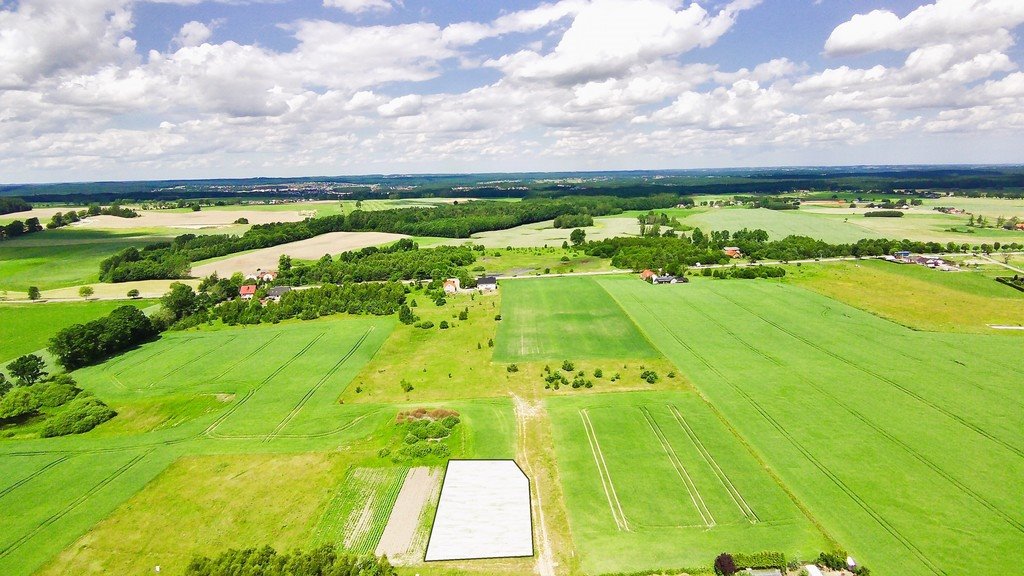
(25, 328)
(656, 480)
(865, 421)
(58, 258)
(564, 318)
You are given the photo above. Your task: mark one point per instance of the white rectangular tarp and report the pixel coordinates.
(483, 512)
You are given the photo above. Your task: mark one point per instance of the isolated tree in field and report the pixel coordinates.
(180, 301)
(86, 291)
(33, 293)
(578, 236)
(133, 293)
(27, 369)
(725, 565)
(284, 263)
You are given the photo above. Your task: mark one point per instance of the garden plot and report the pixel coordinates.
(484, 512)
(404, 536)
(357, 516)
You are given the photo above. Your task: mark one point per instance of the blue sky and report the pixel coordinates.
(133, 89)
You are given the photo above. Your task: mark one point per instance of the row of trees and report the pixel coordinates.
(265, 561)
(61, 219)
(18, 228)
(173, 260)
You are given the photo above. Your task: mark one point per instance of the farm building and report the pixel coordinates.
(262, 275)
(667, 279)
(732, 252)
(247, 291)
(646, 275)
(276, 292)
(487, 283)
(452, 286)
(1020, 226)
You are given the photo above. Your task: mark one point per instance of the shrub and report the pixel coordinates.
(406, 386)
(58, 392)
(81, 415)
(512, 368)
(724, 565)
(598, 373)
(649, 376)
(426, 325)
(760, 560)
(443, 325)
(568, 366)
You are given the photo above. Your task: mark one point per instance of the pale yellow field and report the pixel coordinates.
(312, 249)
(104, 291)
(190, 220)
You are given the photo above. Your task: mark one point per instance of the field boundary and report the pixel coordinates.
(602, 470)
(734, 492)
(673, 458)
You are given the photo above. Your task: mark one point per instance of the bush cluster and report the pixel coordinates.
(424, 431)
(265, 561)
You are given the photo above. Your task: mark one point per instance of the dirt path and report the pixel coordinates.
(1003, 264)
(526, 412)
(399, 537)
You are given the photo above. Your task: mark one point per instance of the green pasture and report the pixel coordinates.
(917, 296)
(907, 447)
(657, 480)
(59, 258)
(26, 328)
(537, 260)
(564, 319)
(991, 208)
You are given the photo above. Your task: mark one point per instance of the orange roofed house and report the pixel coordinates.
(247, 291)
(732, 252)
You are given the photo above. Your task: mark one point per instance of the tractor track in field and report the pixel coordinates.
(190, 361)
(31, 476)
(247, 357)
(319, 384)
(602, 470)
(684, 476)
(910, 450)
(727, 483)
(978, 429)
(56, 516)
(824, 470)
(211, 431)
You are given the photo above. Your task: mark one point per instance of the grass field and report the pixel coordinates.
(537, 260)
(25, 328)
(907, 447)
(58, 258)
(656, 480)
(917, 296)
(782, 223)
(564, 318)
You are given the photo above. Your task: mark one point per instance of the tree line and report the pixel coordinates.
(173, 259)
(403, 260)
(265, 561)
(80, 345)
(11, 204)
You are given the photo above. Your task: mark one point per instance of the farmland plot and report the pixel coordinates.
(564, 318)
(358, 514)
(658, 476)
(901, 443)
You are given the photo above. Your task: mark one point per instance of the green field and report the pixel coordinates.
(657, 480)
(781, 223)
(564, 318)
(868, 423)
(26, 328)
(58, 258)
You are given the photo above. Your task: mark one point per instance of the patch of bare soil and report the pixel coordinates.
(399, 541)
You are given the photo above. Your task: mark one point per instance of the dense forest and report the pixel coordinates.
(174, 259)
(11, 204)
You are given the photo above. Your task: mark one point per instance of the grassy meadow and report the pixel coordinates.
(26, 328)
